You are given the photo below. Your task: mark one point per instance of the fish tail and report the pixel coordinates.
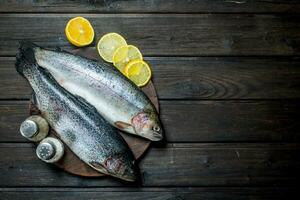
(25, 56)
(20, 64)
(27, 49)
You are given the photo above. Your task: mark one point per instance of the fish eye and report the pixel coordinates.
(156, 128)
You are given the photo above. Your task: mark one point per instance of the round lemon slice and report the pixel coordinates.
(108, 44)
(139, 72)
(79, 32)
(124, 54)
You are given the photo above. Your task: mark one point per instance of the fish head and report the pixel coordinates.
(121, 168)
(147, 124)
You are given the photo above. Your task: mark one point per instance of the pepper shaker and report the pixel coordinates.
(50, 150)
(34, 128)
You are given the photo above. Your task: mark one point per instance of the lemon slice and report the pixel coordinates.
(79, 32)
(139, 72)
(124, 54)
(108, 44)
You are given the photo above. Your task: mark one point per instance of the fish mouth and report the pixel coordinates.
(129, 175)
(154, 136)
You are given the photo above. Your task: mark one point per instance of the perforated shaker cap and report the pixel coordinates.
(45, 151)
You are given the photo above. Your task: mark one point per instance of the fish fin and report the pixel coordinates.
(34, 110)
(33, 99)
(122, 125)
(20, 63)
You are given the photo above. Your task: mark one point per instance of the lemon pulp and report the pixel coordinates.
(108, 44)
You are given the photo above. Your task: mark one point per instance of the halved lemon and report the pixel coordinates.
(108, 44)
(124, 54)
(139, 72)
(79, 32)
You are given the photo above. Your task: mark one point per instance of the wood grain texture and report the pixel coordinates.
(191, 193)
(228, 121)
(198, 78)
(165, 34)
(191, 164)
(225, 97)
(144, 6)
(198, 121)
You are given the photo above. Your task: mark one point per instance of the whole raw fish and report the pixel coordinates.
(78, 124)
(114, 96)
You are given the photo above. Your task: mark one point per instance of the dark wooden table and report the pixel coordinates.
(227, 73)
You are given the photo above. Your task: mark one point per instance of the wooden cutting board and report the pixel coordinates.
(70, 162)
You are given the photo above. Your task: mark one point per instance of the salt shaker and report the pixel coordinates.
(34, 128)
(50, 150)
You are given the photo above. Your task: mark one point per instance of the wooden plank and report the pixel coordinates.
(173, 165)
(238, 121)
(227, 78)
(166, 34)
(143, 6)
(12, 84)
(207, 193)
(198, 121)
(198, 78)
(11, 116)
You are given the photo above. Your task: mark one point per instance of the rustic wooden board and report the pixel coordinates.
(70, 162)
(166, 34)
(144, 6)
(196, 193)
(198, 78)
(198, 121)
(174, 165)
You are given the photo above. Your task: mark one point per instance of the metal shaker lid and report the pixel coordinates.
(29, 128)
(50, 150)
(45, 151)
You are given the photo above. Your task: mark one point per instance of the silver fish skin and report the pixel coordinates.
(79, 125)
(114, 96)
